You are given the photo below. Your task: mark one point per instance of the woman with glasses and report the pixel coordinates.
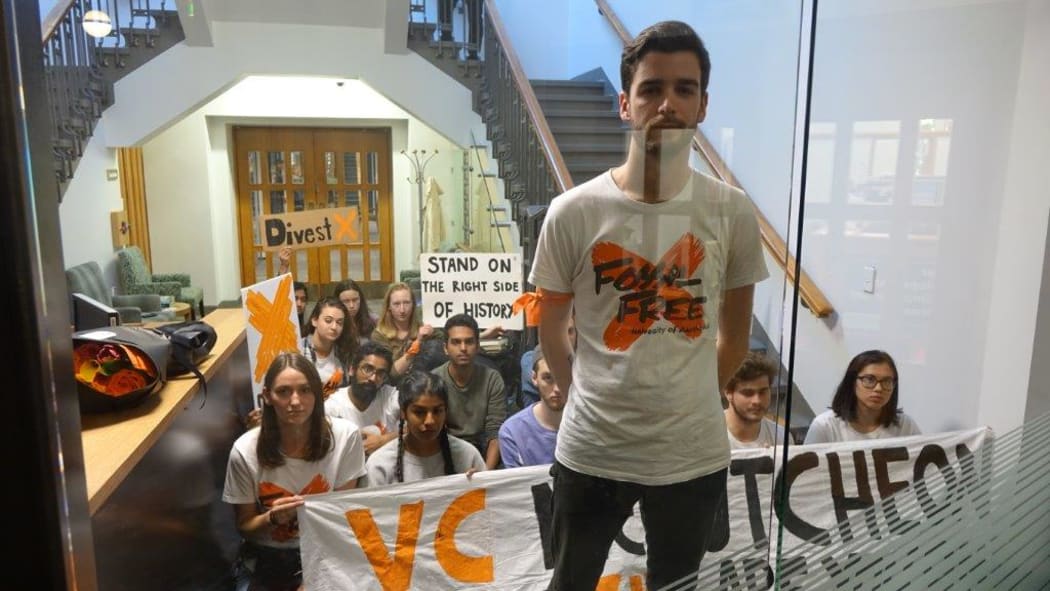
(400, 328)
(866, 404)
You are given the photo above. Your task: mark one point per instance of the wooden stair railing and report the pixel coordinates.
(812, 297)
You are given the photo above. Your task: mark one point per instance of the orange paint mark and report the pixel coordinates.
(270, 492)
(394, 574)
(463, 568)
(273, 322)
(612, 583)
(347, 226)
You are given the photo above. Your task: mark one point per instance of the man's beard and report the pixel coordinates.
(666, 137)
(745, 417)
(364, 391)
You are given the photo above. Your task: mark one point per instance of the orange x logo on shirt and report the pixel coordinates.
(650, 292)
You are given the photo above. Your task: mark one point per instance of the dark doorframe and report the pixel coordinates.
(45, 500)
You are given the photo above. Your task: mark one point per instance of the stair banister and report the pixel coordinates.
(559, 172)
(812, 297)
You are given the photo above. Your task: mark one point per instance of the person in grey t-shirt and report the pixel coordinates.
(476, 401)
(748, 396)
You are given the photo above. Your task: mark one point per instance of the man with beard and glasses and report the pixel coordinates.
(747, 398)
(659, 263)
(368, 402)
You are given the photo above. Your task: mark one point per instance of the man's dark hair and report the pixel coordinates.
(461, 320)
(845, 401)
(537, 357)
(298, 286)
(665, 37)
(372, 348)
(754, 366)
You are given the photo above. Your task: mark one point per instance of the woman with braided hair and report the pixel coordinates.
(423, 448)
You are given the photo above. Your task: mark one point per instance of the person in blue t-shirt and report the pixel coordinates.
(529, 393)
(528, 437)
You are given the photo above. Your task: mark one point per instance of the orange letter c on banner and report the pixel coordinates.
(466, 569)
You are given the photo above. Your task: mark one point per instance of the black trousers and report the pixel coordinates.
(589, 511)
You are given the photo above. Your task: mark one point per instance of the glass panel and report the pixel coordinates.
(373, 168)
(821, 170)
(298, 200)
(353, 199)
(302, 268)
(260, 265)
(277, 202)
(254, 174)
(276, 160)
(296, 158)
(257, 205)
(375, 273)
(873, 162)
(332, 200)
(373, 216)
(351, 168)
(330, 176)
(355, 264)
(931, 162)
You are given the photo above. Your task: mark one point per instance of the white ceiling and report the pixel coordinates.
(337, 13)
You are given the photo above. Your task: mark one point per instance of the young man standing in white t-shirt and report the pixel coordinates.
(368, 402)
(659, 263)
(748, 396)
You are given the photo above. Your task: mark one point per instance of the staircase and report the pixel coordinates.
(81, 69)
(584, 118)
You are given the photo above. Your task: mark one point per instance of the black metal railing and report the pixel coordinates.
(80, 69)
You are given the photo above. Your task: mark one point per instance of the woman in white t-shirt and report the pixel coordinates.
(866, 404)
(330, 342)
(296, 451)
(423, 448)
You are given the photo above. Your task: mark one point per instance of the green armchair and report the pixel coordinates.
(86, 278)
(136, 278)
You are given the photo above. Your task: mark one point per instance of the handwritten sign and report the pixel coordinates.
(483, 285)
(273, 325)
(315, 227)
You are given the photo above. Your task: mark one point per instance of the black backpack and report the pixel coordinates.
(191, 343)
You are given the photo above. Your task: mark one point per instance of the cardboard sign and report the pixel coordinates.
(485, 533)
(315, 227)
(483, 285)
(272, 325)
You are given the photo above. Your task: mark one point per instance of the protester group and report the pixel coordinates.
(641, 382)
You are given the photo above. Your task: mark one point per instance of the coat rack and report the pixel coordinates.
(419, 160)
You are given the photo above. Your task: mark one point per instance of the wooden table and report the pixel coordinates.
(114, 442)
(182, 310)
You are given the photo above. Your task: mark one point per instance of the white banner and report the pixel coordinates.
(485, 533)
(483, 285)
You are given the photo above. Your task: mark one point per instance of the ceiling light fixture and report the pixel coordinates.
(97, 24)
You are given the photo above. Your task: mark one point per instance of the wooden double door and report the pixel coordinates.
(283, 169)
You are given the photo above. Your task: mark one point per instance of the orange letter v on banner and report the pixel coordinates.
(394, 574)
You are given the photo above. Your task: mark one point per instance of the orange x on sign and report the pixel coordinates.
(273, 322)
